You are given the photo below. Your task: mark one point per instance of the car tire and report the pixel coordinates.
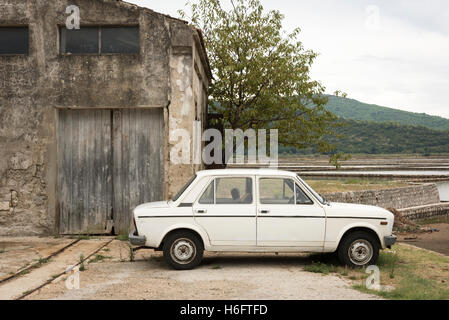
(183, 250)
(358, 249)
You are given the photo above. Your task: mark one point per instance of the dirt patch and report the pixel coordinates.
(435, 241)
(18, 253)
(49, 269)
(221, 276)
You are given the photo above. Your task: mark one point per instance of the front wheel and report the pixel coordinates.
(183, 250)
(359, 249)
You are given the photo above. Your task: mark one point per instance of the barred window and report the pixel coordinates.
(98, 40)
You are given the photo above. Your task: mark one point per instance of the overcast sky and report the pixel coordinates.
(391, 53)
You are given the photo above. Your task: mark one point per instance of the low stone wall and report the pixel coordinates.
(398, 198)
(425, 212)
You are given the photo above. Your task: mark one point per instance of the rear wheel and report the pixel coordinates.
(359, 249)
(183, 250)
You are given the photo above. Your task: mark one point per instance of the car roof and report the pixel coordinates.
(253, 172)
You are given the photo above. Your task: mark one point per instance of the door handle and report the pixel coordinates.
(200, 211)
(264, 211)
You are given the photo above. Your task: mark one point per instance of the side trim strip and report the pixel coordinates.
(360, 218)
(271, 217)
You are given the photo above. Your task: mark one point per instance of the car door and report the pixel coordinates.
(287, 216)
(227, 211)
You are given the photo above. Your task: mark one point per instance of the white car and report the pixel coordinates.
(242, 210)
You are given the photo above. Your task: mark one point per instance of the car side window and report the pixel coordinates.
(276, 191)
(301, 197)
(233, 191)
(208, 196)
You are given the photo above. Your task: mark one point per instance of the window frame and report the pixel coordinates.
(27, 27)
(214, 181)
(99, 53)
(296, 185)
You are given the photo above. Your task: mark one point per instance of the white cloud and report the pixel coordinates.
(404, 63)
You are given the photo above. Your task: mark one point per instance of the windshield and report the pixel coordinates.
(320, 198)
(176, 197)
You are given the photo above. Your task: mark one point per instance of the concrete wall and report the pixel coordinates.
(398, 198)
(33, 87)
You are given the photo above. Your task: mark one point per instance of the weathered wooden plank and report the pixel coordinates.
(139, 166)
(109, 162)
(84, 144)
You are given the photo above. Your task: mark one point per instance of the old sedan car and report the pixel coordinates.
(242, 210)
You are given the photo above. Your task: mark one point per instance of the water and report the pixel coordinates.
(443, 187)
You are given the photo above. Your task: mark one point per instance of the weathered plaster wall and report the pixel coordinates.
(397, 198)
(188, 95)
(33, 87)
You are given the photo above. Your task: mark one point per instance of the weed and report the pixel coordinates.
(122, 237)
(98, 258)
(319, 267)
(82, 267)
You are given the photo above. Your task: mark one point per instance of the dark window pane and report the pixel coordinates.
(84, 40)
(14, 40)
(120, 40)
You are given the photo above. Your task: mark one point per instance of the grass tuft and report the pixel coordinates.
(122, 237)
(98, 258)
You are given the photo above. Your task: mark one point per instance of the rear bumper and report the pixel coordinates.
(137, 240)
(390, 241)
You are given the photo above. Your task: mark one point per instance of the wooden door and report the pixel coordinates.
(85, 171)
(109, 162)
(138, 157)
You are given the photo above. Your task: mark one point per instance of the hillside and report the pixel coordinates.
(355, 110)
(384, 138)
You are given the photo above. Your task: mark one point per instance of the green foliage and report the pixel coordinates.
(355, 110)
(336, 159)
(122, 237)
(381, 138)
(319, 267)
(363, 137)
(261, 73)
(81, 263)
(98, 258)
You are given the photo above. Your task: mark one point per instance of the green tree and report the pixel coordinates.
(262, 73)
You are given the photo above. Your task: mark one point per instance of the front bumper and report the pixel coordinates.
(390, 241)
(137, 240)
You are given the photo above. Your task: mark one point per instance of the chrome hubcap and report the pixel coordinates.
(183, 251)
(360, 252)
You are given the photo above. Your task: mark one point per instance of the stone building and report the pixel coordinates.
(86, 115)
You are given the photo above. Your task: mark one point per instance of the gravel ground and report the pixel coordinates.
(221, 276)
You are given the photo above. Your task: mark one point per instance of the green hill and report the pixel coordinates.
(374, 138)
(364, 137)
(356, 110)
